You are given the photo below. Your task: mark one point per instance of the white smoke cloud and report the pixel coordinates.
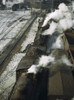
(4, 2)
(58, 43)
(62, 13)
(73, 6)
(67, 15)
(62, 7)
(63, 60)
(61, 26)
(46, 20)
(56, 15)
(59, 29)
(51, 30)
(33, 69)
(44, 60)
(65, 24)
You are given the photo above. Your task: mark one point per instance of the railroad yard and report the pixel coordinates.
(11, 30)
(37, 54)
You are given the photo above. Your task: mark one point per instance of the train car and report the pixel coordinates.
(52, 82)
(54, 78)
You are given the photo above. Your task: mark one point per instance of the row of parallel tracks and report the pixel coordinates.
(8, 22)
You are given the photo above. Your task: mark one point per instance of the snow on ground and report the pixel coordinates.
(31, 36)
(8, 77)
(27, 12)
(14, 33)
(7, 23)
(10, 26)
(3, 44)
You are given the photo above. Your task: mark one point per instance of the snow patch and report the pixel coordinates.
(30, 36)
(4, 43)
(8, 76)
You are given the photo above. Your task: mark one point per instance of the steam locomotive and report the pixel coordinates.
(53, 82)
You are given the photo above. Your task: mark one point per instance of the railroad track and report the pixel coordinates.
(15, 41)
(9, 29)
(12, 49)
(8, 23)
(9, 33)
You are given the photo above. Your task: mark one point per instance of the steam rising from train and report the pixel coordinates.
(45, 61)
(4, 2)
(59, 21)
(73, 5)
